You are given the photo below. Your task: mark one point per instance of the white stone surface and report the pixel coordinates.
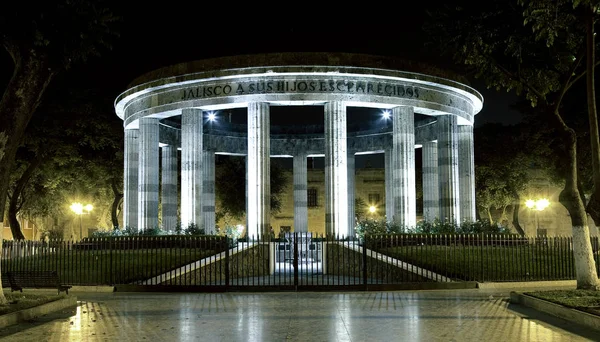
(389, 195)
(191, 167)
(169, 188)
(336, 170)
(299, 85)
(148, 174)
(466, 170)
(448, 168)
(130, 179)
(351, 192)
(187, 92)
(431, 192)
(208, 187)
(258, 172)
(300, 193)
(403, 167)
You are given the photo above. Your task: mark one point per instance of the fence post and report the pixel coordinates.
(226, 262)
(481, 262)
(295, 261)
(364, 262)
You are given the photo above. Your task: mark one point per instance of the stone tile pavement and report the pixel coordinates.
(441, 315)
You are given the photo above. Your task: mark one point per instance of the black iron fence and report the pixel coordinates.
(297, 261)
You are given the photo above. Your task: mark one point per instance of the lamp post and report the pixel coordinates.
(78, 209)
(537, 205)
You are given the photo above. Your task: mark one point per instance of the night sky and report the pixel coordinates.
(155, 36)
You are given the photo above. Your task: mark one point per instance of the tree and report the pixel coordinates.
(492, 40)
(577, 17)
(72, 145)
(360, 210)
(42, 38)
(230, 179)
(501, 167)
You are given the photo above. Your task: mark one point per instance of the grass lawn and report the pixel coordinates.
(22, 301)
(109, 267)
(584, 300)
(489, 263)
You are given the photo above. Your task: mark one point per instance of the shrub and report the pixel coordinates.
(150, 232)
(482, 226)
(232, 233)
(436, 226)
(372, 226)
(194, 230)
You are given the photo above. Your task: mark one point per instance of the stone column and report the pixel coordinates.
(336, 170)
(169, 187)
(431, 196)
(246, 193)
(403, 167)
(300, 193)
(351, 193)
(191, 167)
(148, 174)
(448, 168)
(259, 182)
(389, 196)
(130, 179)
(466, 170)
(208, 186)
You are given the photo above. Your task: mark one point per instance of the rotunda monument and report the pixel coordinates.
(167, 110)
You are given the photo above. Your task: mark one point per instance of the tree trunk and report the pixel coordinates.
(15, 226)
(515, 217)
(21, 97)
(585, 266)
(593, 206)
(17, 197)
(489, 214)
(118, 196)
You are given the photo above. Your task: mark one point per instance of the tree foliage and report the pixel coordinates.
(501, 168)
(42, 38)
(230, 187)
(72, 151)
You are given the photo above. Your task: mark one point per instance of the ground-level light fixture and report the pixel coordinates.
(79, 209)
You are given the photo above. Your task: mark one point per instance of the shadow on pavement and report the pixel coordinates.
(63, 315)
(547, 319)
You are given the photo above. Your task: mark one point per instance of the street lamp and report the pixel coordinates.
(78, 209)
(537, 205)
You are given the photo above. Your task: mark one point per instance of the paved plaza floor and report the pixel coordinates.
(440, 315)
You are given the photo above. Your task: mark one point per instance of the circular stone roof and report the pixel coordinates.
(301, 79)
(297, 59)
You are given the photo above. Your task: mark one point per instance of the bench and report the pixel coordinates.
(35, 279)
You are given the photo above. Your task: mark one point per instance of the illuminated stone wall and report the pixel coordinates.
(368, 182)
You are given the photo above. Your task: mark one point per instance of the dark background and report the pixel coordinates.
(157, 34)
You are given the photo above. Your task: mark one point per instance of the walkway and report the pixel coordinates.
(458, 315)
